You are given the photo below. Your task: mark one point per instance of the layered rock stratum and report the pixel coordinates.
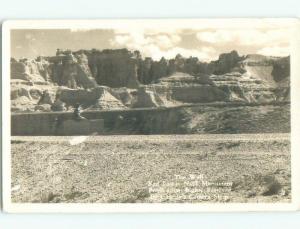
(122, 79)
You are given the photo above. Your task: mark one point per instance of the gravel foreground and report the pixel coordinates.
(151, 169)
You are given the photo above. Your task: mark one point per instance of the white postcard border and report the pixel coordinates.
(8, 206)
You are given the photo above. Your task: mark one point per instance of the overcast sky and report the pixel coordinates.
(204, 43)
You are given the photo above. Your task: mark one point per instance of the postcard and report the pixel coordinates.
(160, 115)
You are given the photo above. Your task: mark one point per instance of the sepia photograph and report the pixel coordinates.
(149, 113)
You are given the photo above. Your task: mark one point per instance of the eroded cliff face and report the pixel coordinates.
(98, 98)
(119, 79)
(251, 79)
(30, 70)
(71, 70)
(114, 68)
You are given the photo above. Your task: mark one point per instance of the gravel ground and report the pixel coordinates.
(154, 168)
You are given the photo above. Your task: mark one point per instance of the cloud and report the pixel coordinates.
(30, 37)
(156, 53)
(219, 36)
(246, 37)
(168, 43)
(274, 51)
(158, 44)
(204, 54)
(136, 39)
(74, 30)
(267, 42)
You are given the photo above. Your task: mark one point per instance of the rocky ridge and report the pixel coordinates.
(120, 79)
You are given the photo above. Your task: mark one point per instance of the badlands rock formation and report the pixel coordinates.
(120, 79)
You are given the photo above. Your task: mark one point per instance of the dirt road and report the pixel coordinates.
(154, 168)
